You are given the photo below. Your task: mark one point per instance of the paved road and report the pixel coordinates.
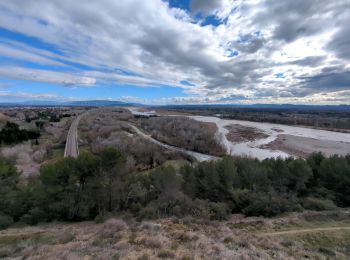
(72, 149)
(198, 156)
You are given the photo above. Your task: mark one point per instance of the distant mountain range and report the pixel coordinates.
(265, 106)
(101, 103)
(87, 103)
(105, 103)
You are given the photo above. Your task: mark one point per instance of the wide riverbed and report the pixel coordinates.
(320, 138)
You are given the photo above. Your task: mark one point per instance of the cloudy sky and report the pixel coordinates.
(176, 51)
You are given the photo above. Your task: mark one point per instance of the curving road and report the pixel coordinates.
(198, 156)
(72, 149)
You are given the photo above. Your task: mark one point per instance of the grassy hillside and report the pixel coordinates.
(294, 236)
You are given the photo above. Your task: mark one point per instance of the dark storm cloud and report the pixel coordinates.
(249, 43)
(205, 6)
(298, 18)
(328, 81)
(311, 61)
(340, 44)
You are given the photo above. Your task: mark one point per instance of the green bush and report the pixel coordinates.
(5, 221)
(318, 204)
(34, 216)
(218, 210)
(93, 186)
(268, 205)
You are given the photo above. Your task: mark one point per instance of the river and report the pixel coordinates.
(253, 148)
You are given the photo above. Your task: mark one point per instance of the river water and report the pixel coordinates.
(252, 148)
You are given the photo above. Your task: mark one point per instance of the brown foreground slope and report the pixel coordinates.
(324, 235)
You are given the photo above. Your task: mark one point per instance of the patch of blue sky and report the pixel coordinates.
(257, 33)
(243, 39)
(100, 91)
(279, 75)
(187, 83)
(232, 53)
(7, 61)
(32, 41)
(212, 20)
(199, 17)
(183, 4)
(65, 65)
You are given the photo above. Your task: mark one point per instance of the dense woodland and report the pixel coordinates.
(328, 119)
(12, 134)
(91, 186)
(184, 132)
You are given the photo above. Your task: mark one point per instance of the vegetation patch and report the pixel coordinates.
(12, 134)
(239, 133)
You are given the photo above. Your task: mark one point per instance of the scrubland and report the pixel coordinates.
(185, 238)
(185, 133)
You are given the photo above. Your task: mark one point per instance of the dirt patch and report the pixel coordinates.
(3, 118)
(304, 146)
(278, 130)
(239, 133)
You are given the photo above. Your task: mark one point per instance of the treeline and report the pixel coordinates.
(50, 115)
(184, 132)
(12, 134)
(93, 185)
(322, 119)
(328, 119)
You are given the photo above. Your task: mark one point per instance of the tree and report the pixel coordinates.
(300, 174)
(112, 175)
(8, 188)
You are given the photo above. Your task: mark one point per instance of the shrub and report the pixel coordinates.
(166, 254)
(218, 211)
(112, 226)
(268, 205)
(5, 221)
(34, 216)
(318, 204)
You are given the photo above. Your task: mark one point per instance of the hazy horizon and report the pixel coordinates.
(176, 51)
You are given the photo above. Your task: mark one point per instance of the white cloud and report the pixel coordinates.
(6, 96)
(163, 46)
(53, 77)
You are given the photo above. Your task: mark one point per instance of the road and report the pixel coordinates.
(198, 156)
(72, 149)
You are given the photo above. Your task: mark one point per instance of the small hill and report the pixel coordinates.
(3, 118)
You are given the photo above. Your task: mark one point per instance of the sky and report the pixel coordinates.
(176, 51)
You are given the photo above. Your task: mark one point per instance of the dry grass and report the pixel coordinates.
(237, 238)
(26, 157)
(239, 133)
